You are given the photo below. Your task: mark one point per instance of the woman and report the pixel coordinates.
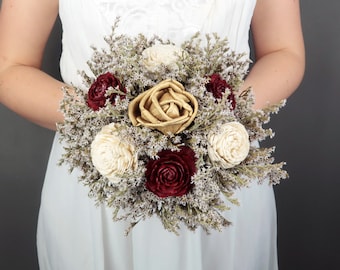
(72, 232)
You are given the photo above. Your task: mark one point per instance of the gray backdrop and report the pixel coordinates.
(307, 137)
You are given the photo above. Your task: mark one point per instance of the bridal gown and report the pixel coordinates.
(74, 233)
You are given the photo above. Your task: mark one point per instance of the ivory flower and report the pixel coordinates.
(161, 54)
(230, 146)
(166, 107)
(110, 155)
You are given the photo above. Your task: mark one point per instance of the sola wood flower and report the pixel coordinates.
(170, 174)
(217, 87)
(96, 96)
(110, 155)
(230, 146)
(166, 107)
(161, 54)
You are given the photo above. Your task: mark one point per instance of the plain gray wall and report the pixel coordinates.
(307, 137)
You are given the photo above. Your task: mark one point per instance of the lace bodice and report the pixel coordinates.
(86, 22)
(166, 15)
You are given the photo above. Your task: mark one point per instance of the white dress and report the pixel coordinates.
(73, 233)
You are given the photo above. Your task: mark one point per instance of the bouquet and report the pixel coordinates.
(162, 130)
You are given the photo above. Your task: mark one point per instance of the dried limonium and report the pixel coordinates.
(162, 130)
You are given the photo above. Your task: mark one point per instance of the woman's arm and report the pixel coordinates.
(279, 51)
(24, 29)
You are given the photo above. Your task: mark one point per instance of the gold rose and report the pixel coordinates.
(166, 107)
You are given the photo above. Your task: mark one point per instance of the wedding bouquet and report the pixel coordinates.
(163, 130)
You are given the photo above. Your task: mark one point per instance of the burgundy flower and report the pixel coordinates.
(170, 175)
(96, 97)
(217, 87)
